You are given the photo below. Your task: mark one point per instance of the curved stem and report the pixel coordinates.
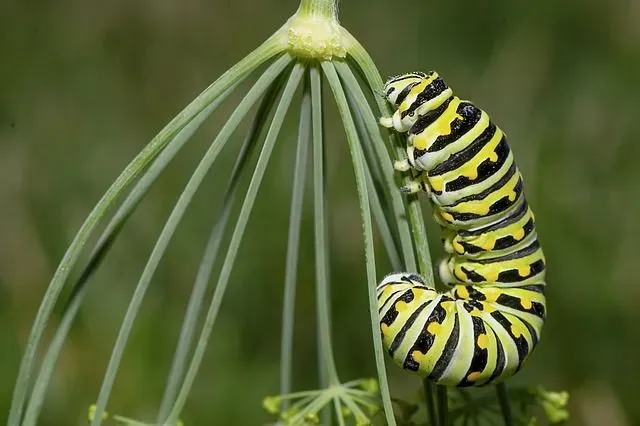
(358, 166)
(236, 238)
(100, 250)
(267, 50)
(293, 244)
(320, 230)
(170, 226)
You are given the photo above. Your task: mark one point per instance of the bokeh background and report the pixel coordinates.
(84, 85)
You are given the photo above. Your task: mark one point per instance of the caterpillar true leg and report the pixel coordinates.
(486, 326)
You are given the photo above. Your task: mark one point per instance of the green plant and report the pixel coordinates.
(309, 46)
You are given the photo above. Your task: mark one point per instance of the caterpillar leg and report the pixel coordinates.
(415, 186)
(402, 165)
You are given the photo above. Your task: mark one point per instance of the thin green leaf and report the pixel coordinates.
(267, 50)
(323, 304)
(358, 165)
(293, 243)
(172, 222)
(203, 276)
(236, 238)
(101, 249)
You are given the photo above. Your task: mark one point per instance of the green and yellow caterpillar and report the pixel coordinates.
(485, 327)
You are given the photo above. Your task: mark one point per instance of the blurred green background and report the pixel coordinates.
(84, 85)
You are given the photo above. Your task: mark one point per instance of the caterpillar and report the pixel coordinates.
(483, 329)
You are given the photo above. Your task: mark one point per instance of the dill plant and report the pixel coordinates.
(310, 46)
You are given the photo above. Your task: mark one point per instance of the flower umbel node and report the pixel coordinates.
(348, 399)
(315, 37)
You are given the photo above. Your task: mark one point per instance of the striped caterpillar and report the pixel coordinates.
(483, 329)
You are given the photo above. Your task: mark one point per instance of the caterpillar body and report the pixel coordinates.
(485, 327)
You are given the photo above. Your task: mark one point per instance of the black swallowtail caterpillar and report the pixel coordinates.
(486, 326)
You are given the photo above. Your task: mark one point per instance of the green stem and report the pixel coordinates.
(319, 8)
(359, 168)
(414, 212)
(293, 244)
(236, 238)
(203, 276)
(320, 230)
(443, 409)
(428, 396)
(505, 408)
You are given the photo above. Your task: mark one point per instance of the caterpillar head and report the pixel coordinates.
(414, 95)
(397, 87)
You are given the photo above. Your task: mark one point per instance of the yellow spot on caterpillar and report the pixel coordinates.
(446, 216)
(462, 292)
(401, 306)
(472, 377)
(486, 241)
(384, 328)
(524, 270)
(420, 141)
(491, 294)
(526, 302)
(518, 234)
(434, 328)
(418, 357)
(483, 341)
(437, 183)
(493, 157)
(459, 273)
(491, 274)
(517, 330)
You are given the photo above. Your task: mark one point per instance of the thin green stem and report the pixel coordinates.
(100, 250)
(339, 414)
(172, 222)
(443, 409)
(360, 175)
(320, 230)
(211, 251)
(236, 238)
(505, 408)
(384, 162)
(320, 8)
(363, 61)
(293, 244)
(267, 50)
(429, 398)
(361, 57)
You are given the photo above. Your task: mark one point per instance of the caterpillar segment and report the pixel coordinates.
(484, 328)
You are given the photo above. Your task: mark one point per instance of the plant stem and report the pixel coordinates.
(293, 244)
(357, 157)
(236, 238)
(503, 399)
(320, 223)
(185, 341)
(428, 396)
(443, 409)
(320, 8)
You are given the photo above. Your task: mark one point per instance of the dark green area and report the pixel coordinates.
(84, 85)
